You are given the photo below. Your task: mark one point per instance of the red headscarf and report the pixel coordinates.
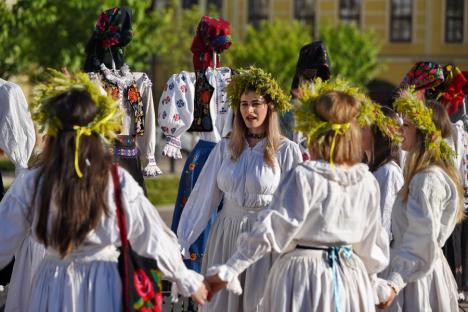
(213, 35)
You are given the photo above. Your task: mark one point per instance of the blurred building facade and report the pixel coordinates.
(411, 30)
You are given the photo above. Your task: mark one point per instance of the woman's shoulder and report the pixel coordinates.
(432, 178)
(390, 168)
(287, 145)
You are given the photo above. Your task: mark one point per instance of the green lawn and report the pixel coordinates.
(161, 190)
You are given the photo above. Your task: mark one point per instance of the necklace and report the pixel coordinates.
(255, 136)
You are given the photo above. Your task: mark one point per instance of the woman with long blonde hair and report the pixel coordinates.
(324, 221)
(425, 212)
(244, 171)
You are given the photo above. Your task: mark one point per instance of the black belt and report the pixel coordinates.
(311, 247)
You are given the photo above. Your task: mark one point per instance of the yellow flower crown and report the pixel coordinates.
(308, 122)
(108, 119)
(260, 81)
(412, 107)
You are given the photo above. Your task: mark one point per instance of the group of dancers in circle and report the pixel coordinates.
(350, 213)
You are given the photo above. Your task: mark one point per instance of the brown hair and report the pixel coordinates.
(273, 134)
(384, 149)
(419, 158)
(340, 108)
(79, 203)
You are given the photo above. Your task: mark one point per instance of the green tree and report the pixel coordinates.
(9, 48)
(273, 46)
(353, 54)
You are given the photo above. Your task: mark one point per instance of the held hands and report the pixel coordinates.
(388, 302)
(215, 284)
(201, 294)
(210, 286)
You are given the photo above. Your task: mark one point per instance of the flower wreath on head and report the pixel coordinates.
(314, 127)
(263, 84)
(410, 105)
(106, 123)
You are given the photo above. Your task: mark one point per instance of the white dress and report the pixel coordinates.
(17, 140)
(176, 107)
(316, 206)
(390, 178)
(420, 228)
(246, 187)
(88, 279)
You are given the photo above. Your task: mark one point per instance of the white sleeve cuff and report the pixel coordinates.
(187, 285)
(151, 169)
(396, 281)
(172, 151)
(228, 275)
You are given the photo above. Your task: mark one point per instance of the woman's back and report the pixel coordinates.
(341, 203)
(88, 279)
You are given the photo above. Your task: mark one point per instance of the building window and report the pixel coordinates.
(350, 11)
(187, 4)
(258, 11)
(304, 11)
(401, 20)
(454, 20)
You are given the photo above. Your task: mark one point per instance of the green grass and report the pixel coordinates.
(6, 165)
(162, 190)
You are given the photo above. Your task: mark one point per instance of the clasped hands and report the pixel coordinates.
(211, 285)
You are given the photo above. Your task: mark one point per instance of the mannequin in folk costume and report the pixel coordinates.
(105, 64)
(196, 102)
(17, 140)
(313, 62)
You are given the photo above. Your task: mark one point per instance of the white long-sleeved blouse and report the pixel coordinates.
(421, 225)
(176, 107)
(147, 233)
(316, 206)
(248, 181)
(390, 179)
(17, 135)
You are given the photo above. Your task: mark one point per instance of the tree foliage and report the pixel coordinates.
(38, 34)
(353, 54)
(273, 46)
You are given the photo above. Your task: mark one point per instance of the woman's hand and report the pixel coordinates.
(215, 284)
(388, 302)
(201, 294)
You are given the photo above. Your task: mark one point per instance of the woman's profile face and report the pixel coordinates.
(254, 110)
(408, 130)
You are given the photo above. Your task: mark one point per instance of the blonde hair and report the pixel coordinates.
(273, 135)
(420, 158)
(338, 108)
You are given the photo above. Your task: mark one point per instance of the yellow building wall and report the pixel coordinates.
(428, 42)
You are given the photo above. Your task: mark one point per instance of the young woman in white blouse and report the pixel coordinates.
(383, 159)
(244, 171)
(324, 220)
(425, 213)
(66, 203)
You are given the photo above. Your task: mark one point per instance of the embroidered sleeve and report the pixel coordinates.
(175, 113)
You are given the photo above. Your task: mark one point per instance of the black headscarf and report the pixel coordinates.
(113, 31)
(313, 62)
